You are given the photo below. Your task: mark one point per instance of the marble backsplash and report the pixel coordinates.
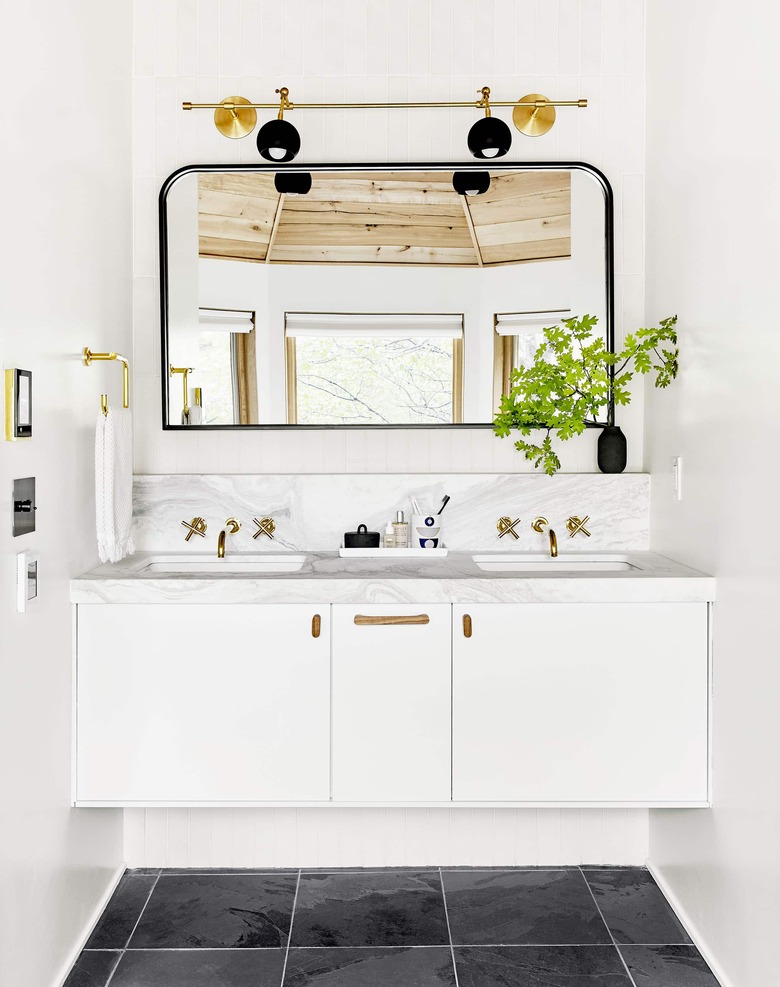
(312, 511)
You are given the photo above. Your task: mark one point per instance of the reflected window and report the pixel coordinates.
(227, 371)
(518, 335)
(356, 369)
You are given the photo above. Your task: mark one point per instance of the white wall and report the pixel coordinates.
(386, 49)
(713, 206)
(65, 164)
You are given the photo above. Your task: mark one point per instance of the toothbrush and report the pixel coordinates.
(444, 503)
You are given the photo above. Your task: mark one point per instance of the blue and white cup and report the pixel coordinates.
(426, 531)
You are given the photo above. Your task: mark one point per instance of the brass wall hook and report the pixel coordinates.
(184, 371)
(88, 356)
(575, 525)
(265, 526)
(197, 526)
(506, 525)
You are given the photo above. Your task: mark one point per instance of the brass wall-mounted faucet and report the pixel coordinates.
(539, 524)
(234, 525)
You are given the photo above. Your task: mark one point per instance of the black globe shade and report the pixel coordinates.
(278, 140)
(489, 138)
(292, 183)
(470, 182)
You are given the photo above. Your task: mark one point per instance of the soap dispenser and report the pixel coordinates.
(401, 531)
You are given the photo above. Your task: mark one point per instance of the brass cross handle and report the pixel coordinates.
(265, 526)
(507, 526)
(197, 526)
(576, 525)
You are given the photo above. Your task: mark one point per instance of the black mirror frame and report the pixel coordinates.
(609, 260)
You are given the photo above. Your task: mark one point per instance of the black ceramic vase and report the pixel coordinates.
(612, 450)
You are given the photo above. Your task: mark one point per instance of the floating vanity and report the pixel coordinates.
(484, 678)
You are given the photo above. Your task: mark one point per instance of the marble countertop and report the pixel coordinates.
(327, 578)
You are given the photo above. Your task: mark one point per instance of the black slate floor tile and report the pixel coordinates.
(401, 908)
(667, 966)
(92, 969)
(371, 967)
(634, 908)
(228, 910)
(522, 908)
(200, 968)
(118, 920)
(540, 966)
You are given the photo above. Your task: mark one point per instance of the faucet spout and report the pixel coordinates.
(539, 524)
(233, 525)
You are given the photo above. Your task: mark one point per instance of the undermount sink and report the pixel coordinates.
(545, 564)
(231, 564)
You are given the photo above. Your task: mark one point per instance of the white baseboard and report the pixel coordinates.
(698, 941)
(92, 921)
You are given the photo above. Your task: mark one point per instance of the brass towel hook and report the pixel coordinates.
(88, 357)
(184, 371)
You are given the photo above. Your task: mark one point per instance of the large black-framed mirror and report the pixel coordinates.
(381, 297)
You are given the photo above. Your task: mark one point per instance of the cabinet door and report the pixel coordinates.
(391, 703)
(580, 703)
(202, 703)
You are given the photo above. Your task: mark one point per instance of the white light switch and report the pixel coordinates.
(677, 464)
(26, 579)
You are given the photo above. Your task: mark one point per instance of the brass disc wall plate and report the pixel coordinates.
(235, 123)
(533, 121)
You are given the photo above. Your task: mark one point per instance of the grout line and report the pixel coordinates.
(441, 945)
(132, 931)
(609, 931)
(449, 930)
(289, 935)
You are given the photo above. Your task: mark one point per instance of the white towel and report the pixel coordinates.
(196, 415)
(114, 484)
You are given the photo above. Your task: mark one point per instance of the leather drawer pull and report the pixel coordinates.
(467, 625)
(316, 623)
(363, 621)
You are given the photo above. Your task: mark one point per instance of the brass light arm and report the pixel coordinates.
(431, 104)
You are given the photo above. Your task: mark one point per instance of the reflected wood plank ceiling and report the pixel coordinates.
(411, 218)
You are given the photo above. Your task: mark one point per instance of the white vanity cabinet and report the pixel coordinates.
(191, 703)
(391, 703)
(581, 702)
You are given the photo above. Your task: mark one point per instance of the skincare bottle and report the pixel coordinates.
(401, 531)
(389, 536)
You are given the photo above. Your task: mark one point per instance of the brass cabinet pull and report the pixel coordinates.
(316, 624)
(467, 625)
(363, 621)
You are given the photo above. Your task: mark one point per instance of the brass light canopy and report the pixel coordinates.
(237, 119)
(534, 115)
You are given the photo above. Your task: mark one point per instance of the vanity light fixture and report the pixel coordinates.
(470, 182)
(292, 183)
(489, 137)
(278, 140)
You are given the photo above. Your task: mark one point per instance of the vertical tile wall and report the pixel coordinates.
(373, 50)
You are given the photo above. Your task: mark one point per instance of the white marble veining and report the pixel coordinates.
(326, 578)
(312, 512)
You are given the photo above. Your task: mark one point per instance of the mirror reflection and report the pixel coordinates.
(378, 297)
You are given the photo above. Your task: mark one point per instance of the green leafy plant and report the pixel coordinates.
(567, 387)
